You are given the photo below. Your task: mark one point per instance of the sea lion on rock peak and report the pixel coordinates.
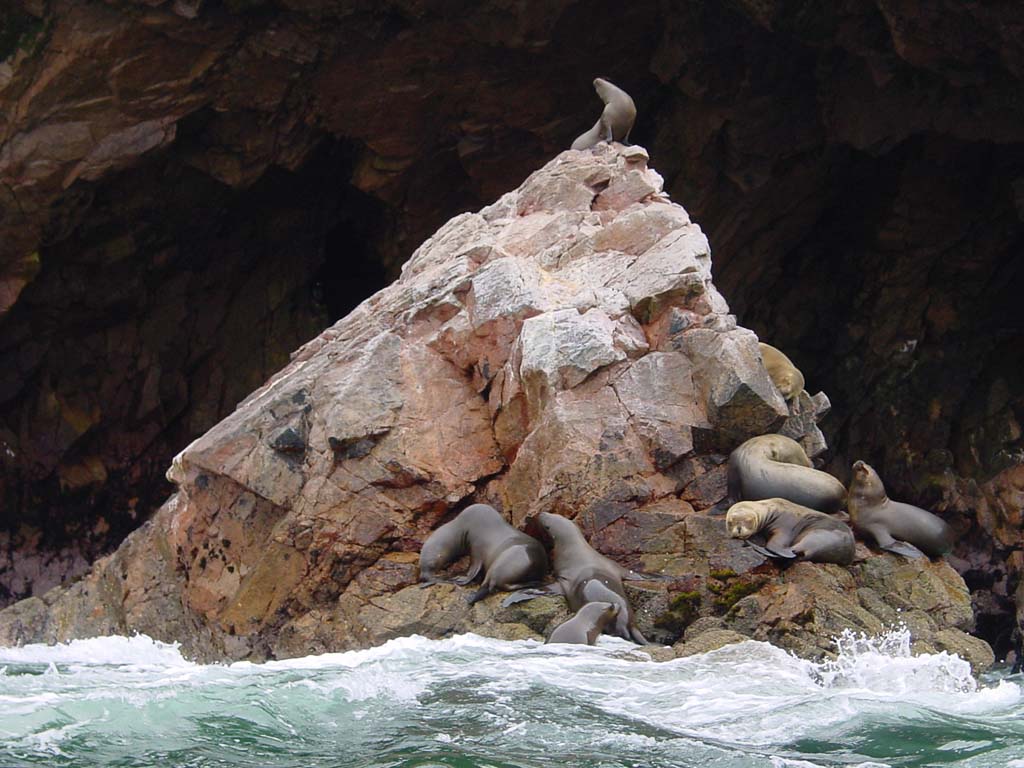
(586, 625)
(786, 377)
(791, 531)
(895, 526)
(584, 575)
(615, 122)
(506, 558)
(776, 466)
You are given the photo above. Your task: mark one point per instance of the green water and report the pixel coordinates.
(471, 701)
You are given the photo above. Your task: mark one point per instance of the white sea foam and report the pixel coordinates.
(748, 699)
(135, 650)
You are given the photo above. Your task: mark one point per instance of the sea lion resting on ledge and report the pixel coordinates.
(586, 625)
(504, 557)
(895, 526)
(775, 466)
(584, 576)
(791, 531)
(615, 122)
(786, 377)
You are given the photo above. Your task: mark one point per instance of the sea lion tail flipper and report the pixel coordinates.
(904, 548)
(522, 595)
(479, 595)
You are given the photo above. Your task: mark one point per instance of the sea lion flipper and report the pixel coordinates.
(475, 568)
(780, 545)
(638, 637)
(522, 595)
(480, 594)
(629, 575)
(904, 548)
(784, 553)
(435, 580)
(760, 549)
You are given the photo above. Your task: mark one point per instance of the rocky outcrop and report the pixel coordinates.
(563, 349)
(858, 166)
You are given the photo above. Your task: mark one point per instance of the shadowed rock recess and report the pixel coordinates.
(563, 349)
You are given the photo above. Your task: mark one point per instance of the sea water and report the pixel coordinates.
(472, 701)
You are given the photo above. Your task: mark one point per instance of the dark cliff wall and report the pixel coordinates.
(190, 189)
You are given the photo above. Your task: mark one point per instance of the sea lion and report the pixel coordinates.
(895, 526)
(784, 375)
(584, 575)
(504, 557)
(770, 466)
(586, 625)
(615, 122)
(791, 531)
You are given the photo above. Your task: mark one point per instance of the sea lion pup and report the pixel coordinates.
(791, 531)
(505, 558)
(615, 122)
(784, 375)
(586, 625)
(584, 576)
(895, 526)
(775, 466)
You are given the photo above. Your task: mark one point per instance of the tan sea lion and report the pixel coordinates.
(586, 625)
(615, 122)
(895, 526)
(770, 466)
(504, 557)
(790, 531)
(784, 375)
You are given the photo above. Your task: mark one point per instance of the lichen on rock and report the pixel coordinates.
(564, 349)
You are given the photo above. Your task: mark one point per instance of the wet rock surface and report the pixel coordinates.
(531, 356)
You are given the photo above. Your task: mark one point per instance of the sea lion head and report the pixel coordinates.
(444, 545)
(604, 89)
(436, 553)
(782, 449)
(609, 614)
(789, 383)
(865, 483)
(553, 524)
(786, 377)
(601, 614)
(744, 519)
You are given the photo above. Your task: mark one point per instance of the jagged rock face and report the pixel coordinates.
(563, 349)
(857, 166)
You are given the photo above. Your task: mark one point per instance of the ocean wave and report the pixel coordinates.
(745, 704)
